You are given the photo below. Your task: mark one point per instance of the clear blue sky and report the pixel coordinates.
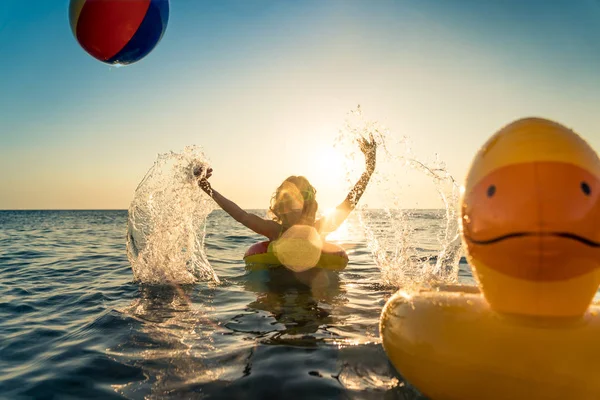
(264, 86)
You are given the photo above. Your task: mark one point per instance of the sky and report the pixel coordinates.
(264, 87)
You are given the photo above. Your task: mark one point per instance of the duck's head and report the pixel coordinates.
(531, 219)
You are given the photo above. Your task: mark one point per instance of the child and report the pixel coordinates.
(294, 202)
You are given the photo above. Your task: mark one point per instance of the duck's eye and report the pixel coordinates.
(491, 190)
(585, 188)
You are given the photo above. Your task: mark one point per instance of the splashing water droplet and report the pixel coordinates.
(166, 224)
(391, 232)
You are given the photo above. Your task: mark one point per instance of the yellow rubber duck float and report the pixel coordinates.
(530, 223)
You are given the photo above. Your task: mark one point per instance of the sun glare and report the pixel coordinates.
(342, 233)
(327, 174)
(327, 168)
(327, 213)
(330, 162)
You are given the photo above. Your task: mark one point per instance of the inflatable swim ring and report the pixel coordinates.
(262, 256)
(530, 222)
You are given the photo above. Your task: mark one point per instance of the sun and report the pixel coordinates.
(328, 164)
(332, 171)
(342, 233)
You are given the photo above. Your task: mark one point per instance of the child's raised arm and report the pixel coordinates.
(268, 228)
(331, 222)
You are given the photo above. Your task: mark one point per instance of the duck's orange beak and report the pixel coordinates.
(531, 219)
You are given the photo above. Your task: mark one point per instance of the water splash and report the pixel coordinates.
(392, 242)
(166, 225)
(446, 266)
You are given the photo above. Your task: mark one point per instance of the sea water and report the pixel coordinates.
(75, 324)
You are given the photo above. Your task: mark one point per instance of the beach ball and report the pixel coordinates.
(118, 31)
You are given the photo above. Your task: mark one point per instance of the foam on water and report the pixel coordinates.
(390, 232)
(166, 224)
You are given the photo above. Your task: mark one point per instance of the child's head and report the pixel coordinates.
(294, 202)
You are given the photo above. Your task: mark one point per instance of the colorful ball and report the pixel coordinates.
(118, 31)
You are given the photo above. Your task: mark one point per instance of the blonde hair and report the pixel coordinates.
(296, 189)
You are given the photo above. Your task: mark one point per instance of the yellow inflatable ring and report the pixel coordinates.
(261, 256)
(452, 346)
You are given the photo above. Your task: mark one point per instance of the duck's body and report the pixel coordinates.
(452, 346)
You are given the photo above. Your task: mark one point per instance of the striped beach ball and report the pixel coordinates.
(118, 31)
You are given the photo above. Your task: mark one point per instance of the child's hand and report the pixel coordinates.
(369, 149)
(203, 181)
(200, 169)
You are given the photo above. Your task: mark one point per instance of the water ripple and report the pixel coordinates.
(74, 325)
